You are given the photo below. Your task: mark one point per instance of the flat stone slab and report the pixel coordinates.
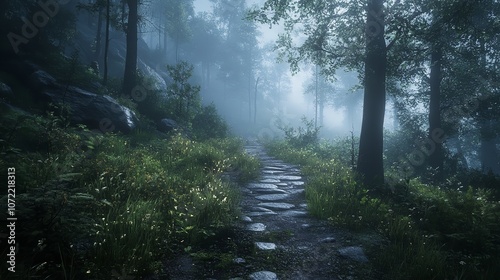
(354, 253)
(294, 213)
(270, 181)
(260, 209)
(259, 214)
(283, 177)
(257, 227)
(277, 205)
(277, 168)
(270, 191)
(296, 183)
(272, 197)
(263, 275)
(272, 171)
(265, 245)
(296, 191)
(262, 186)
(246, 219)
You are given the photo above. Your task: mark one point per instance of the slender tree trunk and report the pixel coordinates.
(106, 43)
(321, 107)
(436, 157)
(370, 157)
(488, 152)
(255, 102)
(129, 78)
(316, 97)
(249, 100)
(98, 36)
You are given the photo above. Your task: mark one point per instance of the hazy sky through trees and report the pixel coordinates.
(297, 103)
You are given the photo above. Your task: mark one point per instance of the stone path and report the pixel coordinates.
(274, 210)
(276, 238)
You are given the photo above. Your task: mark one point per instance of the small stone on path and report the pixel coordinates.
(256, 227)
(239, 260)
(296, 191)
(262, 186)
(263, 275)
(296, 183)
(328, 240)
(246, 219)
(270, 191)
(265, 245)
(258, 214)
(272, 197)
(294, 213)
(283, 177)
(354, 253)
(277, 205)
(270, 181)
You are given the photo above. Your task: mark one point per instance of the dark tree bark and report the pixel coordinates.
(436, 157)
(98, 37)
(488, 152)
(106, 43)
(370, 159)
(255, 102)
(129, 77)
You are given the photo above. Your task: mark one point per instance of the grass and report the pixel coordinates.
(97, 205)
(433, 232)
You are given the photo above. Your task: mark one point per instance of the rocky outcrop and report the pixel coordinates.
(95, 111)
(167, 125)
(5, 91)
(100, 112)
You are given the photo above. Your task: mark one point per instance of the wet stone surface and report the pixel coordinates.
(265, 245)
(273, 197)
(256, 227)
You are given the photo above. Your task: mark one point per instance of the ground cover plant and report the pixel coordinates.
(445, 231)
(100, 205)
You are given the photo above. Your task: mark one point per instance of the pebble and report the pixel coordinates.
(265, 245)
(354, 253)
(263, 275)
(256, 227)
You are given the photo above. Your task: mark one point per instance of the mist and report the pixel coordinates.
(250, 139)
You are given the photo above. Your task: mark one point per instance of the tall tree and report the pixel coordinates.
(335, 28)
(370, 159)
(106, 42)
(130, 73)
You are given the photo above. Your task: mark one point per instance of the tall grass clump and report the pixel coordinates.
(445, 231)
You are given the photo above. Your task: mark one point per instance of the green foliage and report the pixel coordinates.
(434, 232)
(150, 102)
(184, 97)
(208, 124)
(101, 204)
(302, 136)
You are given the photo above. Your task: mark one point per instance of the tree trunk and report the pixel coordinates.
(129, 78)
(106, 43)
(255, 102)
(249, 99)
(370, 162)
(436, 157)
(316, 97)
(98, 36)
(488, 152)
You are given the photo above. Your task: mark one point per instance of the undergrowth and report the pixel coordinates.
(432, 232)
(94, 206)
